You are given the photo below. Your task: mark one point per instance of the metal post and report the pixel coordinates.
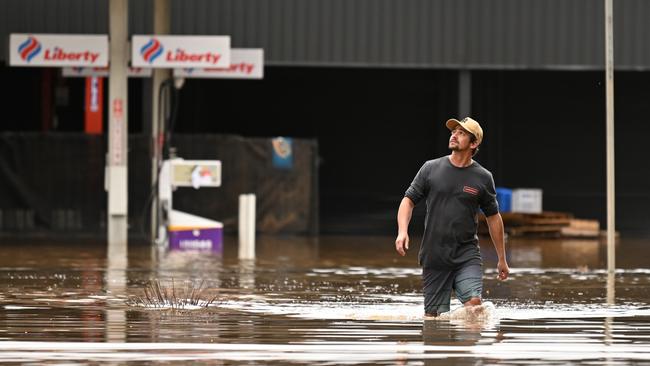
(464, 93)
(609, 75)
(161, 25)
(117, 161)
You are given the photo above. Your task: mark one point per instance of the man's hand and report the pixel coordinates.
(503, 269)
(495, 224)
(403, 219)
(402, 243)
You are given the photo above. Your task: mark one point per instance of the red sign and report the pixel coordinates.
(94, 105)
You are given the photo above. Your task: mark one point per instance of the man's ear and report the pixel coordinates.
(473, 145)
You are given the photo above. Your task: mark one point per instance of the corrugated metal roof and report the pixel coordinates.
(535, 34)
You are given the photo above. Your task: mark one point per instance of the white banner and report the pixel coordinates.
(72, 72)
(58, 50)
(244, 64)
(180, 51)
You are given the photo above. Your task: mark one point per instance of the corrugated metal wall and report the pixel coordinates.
(534, 34)
(66, 16)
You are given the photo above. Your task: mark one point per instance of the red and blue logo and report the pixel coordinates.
(151, 50)
(29, 49)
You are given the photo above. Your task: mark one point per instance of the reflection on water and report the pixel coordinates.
(328, 300)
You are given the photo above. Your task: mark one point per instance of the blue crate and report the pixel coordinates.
(504, 197)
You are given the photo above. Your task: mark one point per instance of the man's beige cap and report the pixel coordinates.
(468, 125)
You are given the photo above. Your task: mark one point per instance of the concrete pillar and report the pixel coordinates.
(161, 25)
(464, 93)
(117, 161)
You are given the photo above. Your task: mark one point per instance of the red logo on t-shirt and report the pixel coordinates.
(470, 190)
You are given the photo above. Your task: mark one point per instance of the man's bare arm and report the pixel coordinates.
(403, 219)
(495, 225)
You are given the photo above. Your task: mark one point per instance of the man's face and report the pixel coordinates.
(460, 140)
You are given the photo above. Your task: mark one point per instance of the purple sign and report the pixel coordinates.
(197, 239)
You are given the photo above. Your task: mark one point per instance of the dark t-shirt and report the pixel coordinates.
(453, 196)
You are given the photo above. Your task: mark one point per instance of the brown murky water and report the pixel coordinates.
(330, 300)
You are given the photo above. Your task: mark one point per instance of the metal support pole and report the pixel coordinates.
(161, 25)
(464, 93)
(117, 160)
(609, 75)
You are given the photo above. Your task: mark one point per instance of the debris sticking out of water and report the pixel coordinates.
(161, 296)
(485, 312)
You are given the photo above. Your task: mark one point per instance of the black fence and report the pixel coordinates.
(54, 183)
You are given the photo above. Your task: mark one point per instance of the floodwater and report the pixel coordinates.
(327, 300)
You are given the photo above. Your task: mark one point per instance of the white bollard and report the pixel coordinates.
(243, 200)
(246, 226)
(252, 215)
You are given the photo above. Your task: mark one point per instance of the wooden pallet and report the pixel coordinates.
(545, 224)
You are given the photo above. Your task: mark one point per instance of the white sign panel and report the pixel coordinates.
(58, 50)
(72, 72)
(196, 173)
(180, 51)
(244, 64)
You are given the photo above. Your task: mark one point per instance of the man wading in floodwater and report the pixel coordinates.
(454, 187)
